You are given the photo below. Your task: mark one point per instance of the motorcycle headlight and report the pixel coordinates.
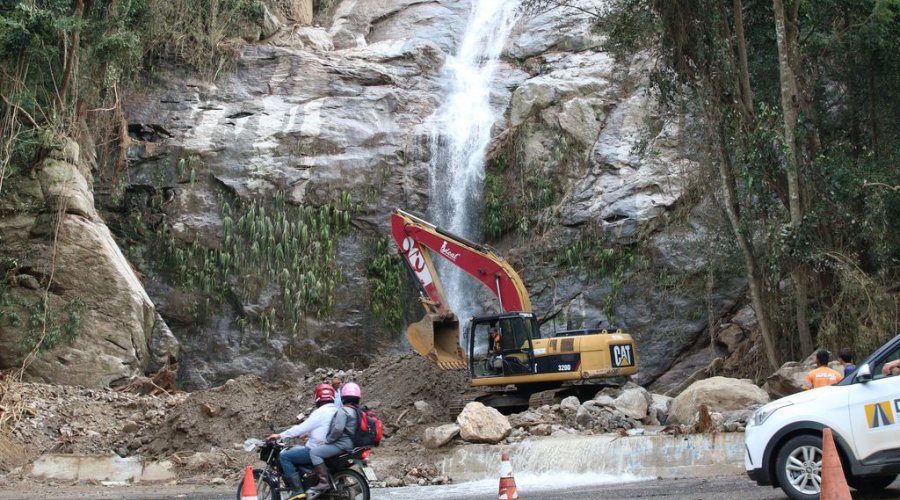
(763, 414)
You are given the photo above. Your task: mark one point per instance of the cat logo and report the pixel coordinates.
(621, 355)
(880, 414)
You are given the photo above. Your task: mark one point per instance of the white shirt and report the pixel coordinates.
(316, 426)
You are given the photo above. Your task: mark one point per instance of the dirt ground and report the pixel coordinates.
(202, 432)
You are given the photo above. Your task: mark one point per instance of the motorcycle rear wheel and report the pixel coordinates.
(266, 487)
(348, 485)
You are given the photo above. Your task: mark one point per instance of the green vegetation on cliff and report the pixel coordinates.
(797, 103)
(66, 67)
(277, 260)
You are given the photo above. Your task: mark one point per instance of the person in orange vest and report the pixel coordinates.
(494, 362)
(822, 375)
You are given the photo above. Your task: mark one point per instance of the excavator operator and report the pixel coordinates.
(495, 340)
(495, 350)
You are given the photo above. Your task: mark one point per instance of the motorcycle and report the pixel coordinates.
(349, 474)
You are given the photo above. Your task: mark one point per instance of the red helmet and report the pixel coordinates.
(324, 393)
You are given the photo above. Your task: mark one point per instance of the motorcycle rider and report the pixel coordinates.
(316, 428)
(350, 397)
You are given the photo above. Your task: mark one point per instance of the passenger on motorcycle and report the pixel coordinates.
(316, 428)
(350, 396)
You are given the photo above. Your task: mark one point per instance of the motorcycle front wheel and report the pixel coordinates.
(348, 485)
(266, 486)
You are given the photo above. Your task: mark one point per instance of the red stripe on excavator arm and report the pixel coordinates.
(414, 236)
(419, 262)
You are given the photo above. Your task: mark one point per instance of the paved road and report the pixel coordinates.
(733, 487)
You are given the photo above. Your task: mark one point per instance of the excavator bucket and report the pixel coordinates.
(436, 337)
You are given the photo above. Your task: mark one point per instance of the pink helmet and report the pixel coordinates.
(351, 389)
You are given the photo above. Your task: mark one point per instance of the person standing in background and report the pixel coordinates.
(822, 375)
(336, 384)
(845, 357)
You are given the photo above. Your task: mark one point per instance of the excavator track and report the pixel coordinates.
(505, 402)
(456, 406)
(548, 397)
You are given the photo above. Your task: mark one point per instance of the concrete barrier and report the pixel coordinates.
(101, 468)
(696, 455)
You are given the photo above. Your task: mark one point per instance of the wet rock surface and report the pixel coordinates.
(317, 111)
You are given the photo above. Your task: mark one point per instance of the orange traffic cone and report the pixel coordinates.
(834, 484)
(248, 490)
(508, 489)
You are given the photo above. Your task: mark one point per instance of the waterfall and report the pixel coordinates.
(460, 131)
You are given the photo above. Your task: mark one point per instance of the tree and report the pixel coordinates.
(788, 58)
(806, 119)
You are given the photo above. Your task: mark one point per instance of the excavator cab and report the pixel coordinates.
(510, 354)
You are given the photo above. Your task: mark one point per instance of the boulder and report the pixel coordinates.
(435, 437)
(570, 405)
(786, 380)
(579, 119)
(583, 418)
(316, 39)
(634, 402)
(269, 23)
(745, 318)
(719, 394)
(424, 410)
(67, 186)
(164, 347)
(481, 424)
(541, 430)
(100, 318)
(604, 400)
(659, 406)
(731, 336)
(535, 95)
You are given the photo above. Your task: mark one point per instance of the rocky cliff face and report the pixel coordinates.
(594, 179)
(101, 325)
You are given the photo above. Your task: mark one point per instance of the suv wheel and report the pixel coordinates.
(871, 484)
(799, 467)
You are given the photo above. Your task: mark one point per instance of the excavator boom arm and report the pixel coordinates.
(414, 235)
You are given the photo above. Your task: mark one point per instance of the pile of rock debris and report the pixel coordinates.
(201, 432)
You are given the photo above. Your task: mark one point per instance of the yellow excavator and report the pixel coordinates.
(506, 348)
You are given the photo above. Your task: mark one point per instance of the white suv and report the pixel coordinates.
(784, 437)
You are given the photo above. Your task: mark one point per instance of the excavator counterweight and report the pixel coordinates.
(436, 337)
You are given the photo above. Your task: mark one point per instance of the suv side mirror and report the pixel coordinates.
(864, 374)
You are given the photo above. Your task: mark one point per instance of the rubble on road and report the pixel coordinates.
(200, 433)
